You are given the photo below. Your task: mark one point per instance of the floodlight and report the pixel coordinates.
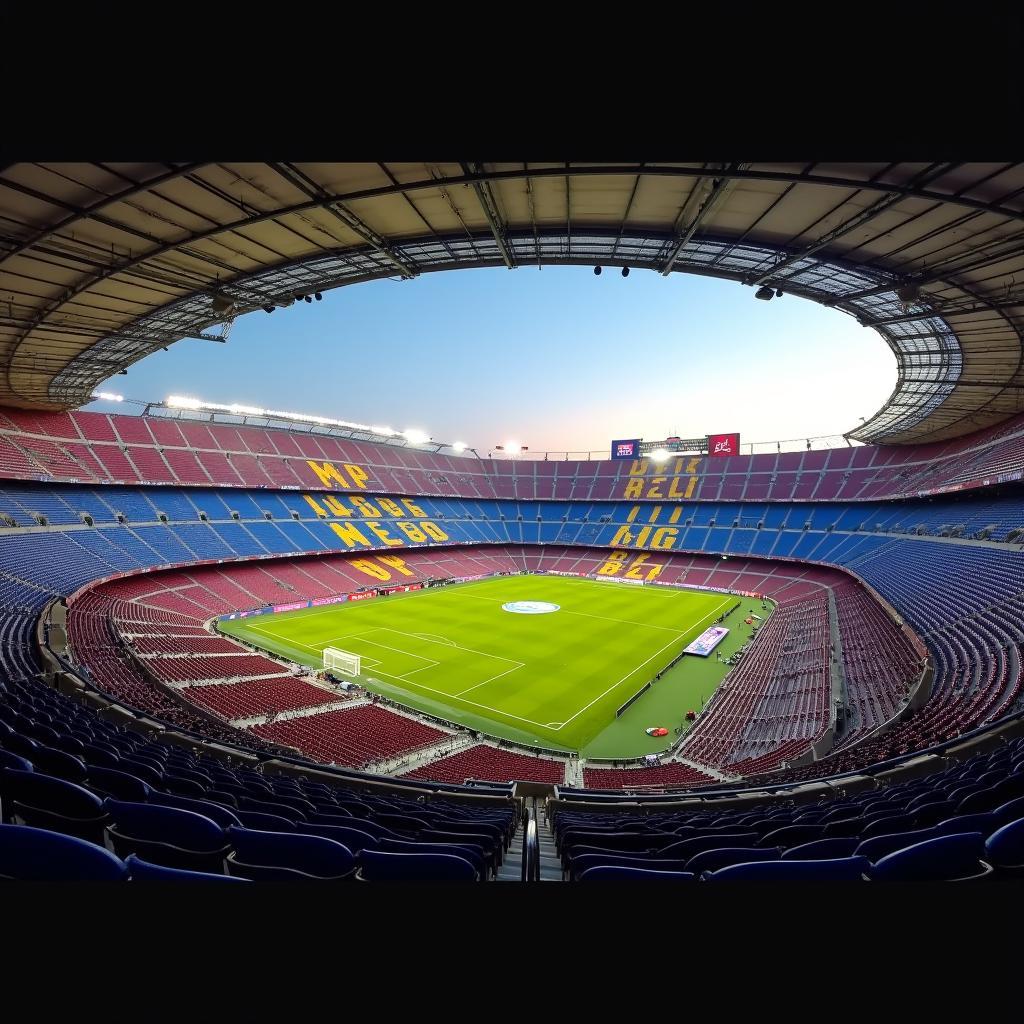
(416, 436)
(597, 271)
(660, 455)
(512, 447)
(459, 446)
(625, 271)
(318, 296)
(269, 309)
(107, 396)
(764, 292)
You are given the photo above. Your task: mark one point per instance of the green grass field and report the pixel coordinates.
(554, 679)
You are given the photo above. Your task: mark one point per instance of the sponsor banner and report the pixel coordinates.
(628, 449)
(469, 579)
(403, 589)
(293, 606)
(617, 579)
(246, 614)
(707, 641)
(364, 596)
(337, 599)
(1007, 477)
(721, 445)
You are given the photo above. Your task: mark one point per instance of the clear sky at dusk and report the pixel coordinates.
(556, 358)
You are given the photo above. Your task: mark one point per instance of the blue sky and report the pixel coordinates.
(557, 359)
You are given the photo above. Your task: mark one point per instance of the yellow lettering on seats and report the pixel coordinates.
(359, 475)
(379, 531)
(633, 572)
(676, 513)
(691, 466)
(623, 537)
(655, 572)
(378, 572)
(412, 531)
(638, 467)
(674, 491)
(315, 506)
(690, 486)
(433, 530)
(633, 513)
(339, 508)
(390, 507)
(615, 562)
(655, 512)
(664, 537)
(414, 509)
(634, 489)
(396, 563)
(641, 537)
(327, 473)
(350, 534)
(368, 509)
(653, 491)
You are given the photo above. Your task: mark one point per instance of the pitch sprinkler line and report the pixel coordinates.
(698, 623)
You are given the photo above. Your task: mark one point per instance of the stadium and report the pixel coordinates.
(242, 644)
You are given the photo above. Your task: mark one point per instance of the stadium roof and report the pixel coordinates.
(103, 264)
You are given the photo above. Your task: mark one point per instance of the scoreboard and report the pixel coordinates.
(712, 445)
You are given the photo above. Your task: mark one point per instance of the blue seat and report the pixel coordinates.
(120, 785)
(595, 860)
(823, 849)
(619, 874)
(844, 869)
(166, 835)
(1004, 849)
(792, 835)
(260, 822)
(15, 761)
(887, 825)
(287, 856)
(424, 845)
(101, 757)
(223, 816)
(927, 815)
(983, 823)
(32, 798)
(878, 847)
(143, 871)
(946, 858)
(353, 838)
(712, 860)
(38, 855)
(375, 866)
(1010, 811)
(687, 848)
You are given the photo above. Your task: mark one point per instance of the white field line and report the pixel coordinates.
(590, 615)
(641, 665)
(332, 609)
(514, 668)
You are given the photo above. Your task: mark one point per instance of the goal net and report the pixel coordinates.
(341, 661)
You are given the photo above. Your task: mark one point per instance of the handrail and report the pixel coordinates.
(530, 871)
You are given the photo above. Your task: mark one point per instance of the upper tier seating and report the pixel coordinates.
(96, 447)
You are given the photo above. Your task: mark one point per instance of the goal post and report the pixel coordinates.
(345, 662)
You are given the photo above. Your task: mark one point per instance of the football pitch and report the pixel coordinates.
(553, 679)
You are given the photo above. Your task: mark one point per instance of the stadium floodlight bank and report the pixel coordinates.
(343, 662)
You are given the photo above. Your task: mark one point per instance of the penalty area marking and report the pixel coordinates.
(434, 638)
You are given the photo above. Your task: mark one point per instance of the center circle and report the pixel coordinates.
(530, 607)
